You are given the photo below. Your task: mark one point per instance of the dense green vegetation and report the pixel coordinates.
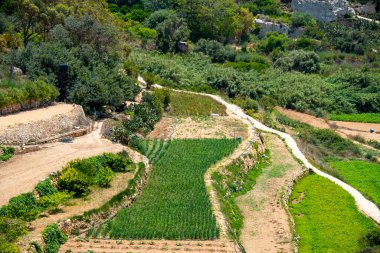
(175, 203)
(185, 105)
(322, 211)
(53, 238)
(23, 96)
(7, 153)
(236, 180)
(363, 176)
(364, 117)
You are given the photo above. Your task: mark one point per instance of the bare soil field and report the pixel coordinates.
(357, 128)
(24, 171)
(118, 246)
(266, 222)
(205, 127)
(344, 129)
(35, 115)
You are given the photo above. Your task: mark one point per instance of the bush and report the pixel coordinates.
(53, 238)
(75, 181)
(216, 50)
(117, 163)
(273, 41)
(104, 177)
(302, 19)
(299, 60)
(11, 229)
(6, 247)
(24, 206)
(8, 153)
(54, 200)
(371, 239)
(170, 33)
(45, 188)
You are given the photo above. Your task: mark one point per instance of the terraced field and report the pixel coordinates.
(364, 176)
(326, 217)
(174, 204)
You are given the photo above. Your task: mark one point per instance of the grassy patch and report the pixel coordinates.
(7, 153)
(326, 218)
(174, 203)
(364, 176)
(361, 117)
(186, 105)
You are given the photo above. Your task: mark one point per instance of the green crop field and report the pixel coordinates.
(174, 204)
(187, 105)
(327, 219)
(363, 176)
(363, 117)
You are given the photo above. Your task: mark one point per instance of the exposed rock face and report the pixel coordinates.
(266, 25)
(323, 10)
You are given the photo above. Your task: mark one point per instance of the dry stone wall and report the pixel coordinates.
(42, 130)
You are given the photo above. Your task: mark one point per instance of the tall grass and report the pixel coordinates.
(187, 105)
(174, 203)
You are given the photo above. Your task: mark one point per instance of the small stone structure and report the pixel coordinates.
(266, 25)
(323, 10)
(72, 122)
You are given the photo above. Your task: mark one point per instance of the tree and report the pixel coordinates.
(170, 33)
(212, 19)
(28, 13)
(273, 41)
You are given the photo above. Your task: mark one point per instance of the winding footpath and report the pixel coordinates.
(366, 206)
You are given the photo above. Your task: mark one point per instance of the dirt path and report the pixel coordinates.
(266, 222)
(24, 171)
(151, 246)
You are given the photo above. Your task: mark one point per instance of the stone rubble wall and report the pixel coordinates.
(43, 130)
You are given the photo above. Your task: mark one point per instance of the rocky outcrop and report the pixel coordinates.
(266, 25)
(323, 10)
(44, 130)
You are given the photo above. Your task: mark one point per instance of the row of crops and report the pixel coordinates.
(175, 203)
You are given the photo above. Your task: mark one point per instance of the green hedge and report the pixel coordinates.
(25, 96)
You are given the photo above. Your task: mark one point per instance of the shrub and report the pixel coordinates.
(149, 79)
(117, 163)
(53, 238)
(11, 229)
(75, 181)
(273, 41)
(371, 239)
(104, 177)
(54, 200)
(216, 50)
(24, 206)
(8, 152)
(6, 247)
(88, 167)
(45, 188)
(302, 19)
(170, 32)
(299, 60)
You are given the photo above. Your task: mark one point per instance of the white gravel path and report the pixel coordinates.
(366, 206)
